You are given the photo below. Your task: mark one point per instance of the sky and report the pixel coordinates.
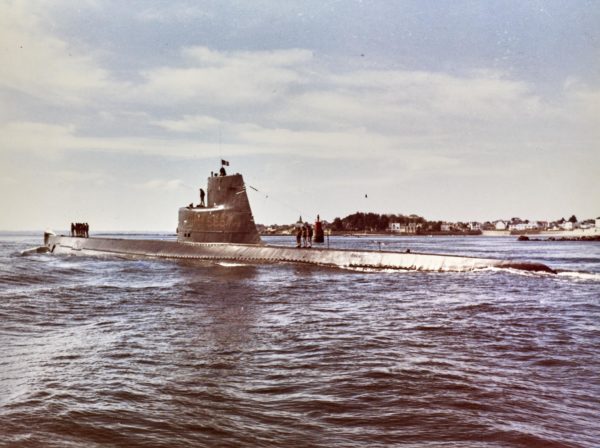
(115, 113)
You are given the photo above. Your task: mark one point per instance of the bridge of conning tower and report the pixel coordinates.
(227, 217)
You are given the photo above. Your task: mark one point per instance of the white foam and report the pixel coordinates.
(572, 275)
(583, 276)
(515, 271)
(227, 264)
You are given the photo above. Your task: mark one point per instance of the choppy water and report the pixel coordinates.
(111, 352)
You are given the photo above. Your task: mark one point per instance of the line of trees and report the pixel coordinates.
(373, 222)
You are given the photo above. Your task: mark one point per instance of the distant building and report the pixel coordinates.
(474, 225)
(500, 225)
(522, 226)
(568, 225)
(397, 227)
(587, 224)
(394, 227)
(446, 227)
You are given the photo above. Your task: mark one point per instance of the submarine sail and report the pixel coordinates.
(226, 218)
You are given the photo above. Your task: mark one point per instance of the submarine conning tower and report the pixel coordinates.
(226, 218)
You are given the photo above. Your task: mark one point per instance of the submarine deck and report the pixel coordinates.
(345, 258)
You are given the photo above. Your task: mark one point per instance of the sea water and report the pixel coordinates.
(113, 352)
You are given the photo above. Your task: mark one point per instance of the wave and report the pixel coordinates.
(573, 275)
(515, 271)
(34, 250)
(580, 276)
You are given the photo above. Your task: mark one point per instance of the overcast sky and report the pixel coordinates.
(115, 112)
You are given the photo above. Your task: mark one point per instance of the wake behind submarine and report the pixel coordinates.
(224, 230)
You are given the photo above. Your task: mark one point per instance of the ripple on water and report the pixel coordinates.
(117, 352)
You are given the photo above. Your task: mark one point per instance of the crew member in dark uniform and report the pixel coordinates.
(202, 198)
(222, 171)
(298, 237)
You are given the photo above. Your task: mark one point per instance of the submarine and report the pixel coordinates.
(223, 229)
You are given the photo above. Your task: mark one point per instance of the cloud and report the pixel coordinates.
(174, 12)
(50, 139)
(355, 114)
(414, 102)
(35, 62)
(585, 100)
(288, 102)
(352, 143)
(242, 139)
(224, 79)
(42, 138)
(275, 58)
(88, 177)
(302, 108)
(162, 184)
(190, 123)
(8, 181)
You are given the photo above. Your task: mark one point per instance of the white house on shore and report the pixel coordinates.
(523, 226)
(568, 225)
(473, 225)
(397, 227)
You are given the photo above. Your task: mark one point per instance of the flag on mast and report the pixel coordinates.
(224, 162)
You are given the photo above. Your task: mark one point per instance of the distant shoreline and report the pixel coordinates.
(577, 233)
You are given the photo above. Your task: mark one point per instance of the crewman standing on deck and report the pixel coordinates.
(202, 194)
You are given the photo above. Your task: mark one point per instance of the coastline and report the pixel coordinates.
(576, 233)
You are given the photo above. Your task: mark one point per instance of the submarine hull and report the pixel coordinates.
(344, 258)
(224, 229)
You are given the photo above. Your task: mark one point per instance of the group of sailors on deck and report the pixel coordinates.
(80, 229)
(304, 235)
